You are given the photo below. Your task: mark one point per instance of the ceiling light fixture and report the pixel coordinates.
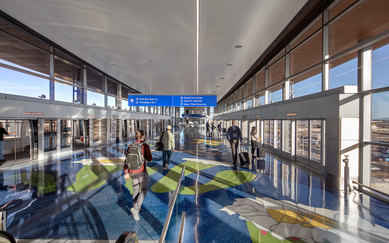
(229, 64)
(89, 45)
(238, 46)
(222, 78)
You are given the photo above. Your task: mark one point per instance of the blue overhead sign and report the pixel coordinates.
(193, 115)
(149, 100)
(172, 100)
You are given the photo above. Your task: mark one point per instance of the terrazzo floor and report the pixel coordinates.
(83, 197)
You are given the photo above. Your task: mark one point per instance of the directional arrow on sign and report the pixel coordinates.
(132, 100)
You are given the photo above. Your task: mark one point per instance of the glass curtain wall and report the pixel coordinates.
(21, 141)
(68, 75)
(315, 140)
(66, 133)
(302, 140)
(50, 135)
(26, 60)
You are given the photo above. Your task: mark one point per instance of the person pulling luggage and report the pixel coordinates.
(234, 136)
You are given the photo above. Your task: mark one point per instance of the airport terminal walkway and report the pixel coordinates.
(84, 196)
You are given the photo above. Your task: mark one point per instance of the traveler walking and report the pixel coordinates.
(254, 140)
(212, 128)
(234, 136)
(207, 126)
(2, 133)
(167, 139)
(135, 168)
(219, 129)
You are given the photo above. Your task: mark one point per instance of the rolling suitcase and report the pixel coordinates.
(244, 157)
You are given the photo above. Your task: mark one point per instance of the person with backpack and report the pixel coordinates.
(219, 129)
(168, 144)
(234, 136)
(135, 168)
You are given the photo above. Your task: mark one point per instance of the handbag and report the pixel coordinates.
(159, 144)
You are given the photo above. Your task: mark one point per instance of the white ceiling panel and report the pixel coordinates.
(151, 44)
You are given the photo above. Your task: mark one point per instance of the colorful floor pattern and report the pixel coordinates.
(84, 196)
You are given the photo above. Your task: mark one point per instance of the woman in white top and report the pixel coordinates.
(254, 139)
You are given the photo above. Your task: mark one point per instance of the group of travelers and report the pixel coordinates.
(138, 154)
(210, 128)
(234, 137)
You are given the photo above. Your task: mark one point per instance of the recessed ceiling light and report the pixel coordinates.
(217, 86)
(89, 45)
(114, 64)
(229, 64)
(238, 46)
(222, 78)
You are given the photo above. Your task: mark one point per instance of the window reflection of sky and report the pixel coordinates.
(19, 83)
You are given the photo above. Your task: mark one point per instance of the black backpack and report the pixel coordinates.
(135, 157)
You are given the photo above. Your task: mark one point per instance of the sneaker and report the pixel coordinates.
(166, 167)
(135, 214)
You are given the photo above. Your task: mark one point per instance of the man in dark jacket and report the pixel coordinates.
(234, 136)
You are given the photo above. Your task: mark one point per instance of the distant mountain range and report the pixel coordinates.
(380, 119)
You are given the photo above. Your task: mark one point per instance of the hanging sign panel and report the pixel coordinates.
(173, 100)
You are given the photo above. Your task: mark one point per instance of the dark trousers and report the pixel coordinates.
(166, 155)
(234, 150)
(252, 147)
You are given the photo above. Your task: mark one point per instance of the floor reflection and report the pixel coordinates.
(84, 196)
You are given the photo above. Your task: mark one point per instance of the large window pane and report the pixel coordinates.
(94, 98)
(379, 167)
(312, 28)
(96, 130)
(66, 71)
(124, 92)
(66, 133)
(316, 140)
(63, 92)
(267, 132)
(339, 7)
(125, 105)
(111, 87)
(275, 94)
(380, 67)
(380, 117)
(277, 72)
(366, 20)
(302, 138)
(18, 83)
(307, 83)
(278, 127)
(344, 73)
(306, 55)
(24, 55)
(95, 80)
(260, 80)
(111, 102)
(271, 132)
(288, 136)
(50, 135)
(24, 69)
